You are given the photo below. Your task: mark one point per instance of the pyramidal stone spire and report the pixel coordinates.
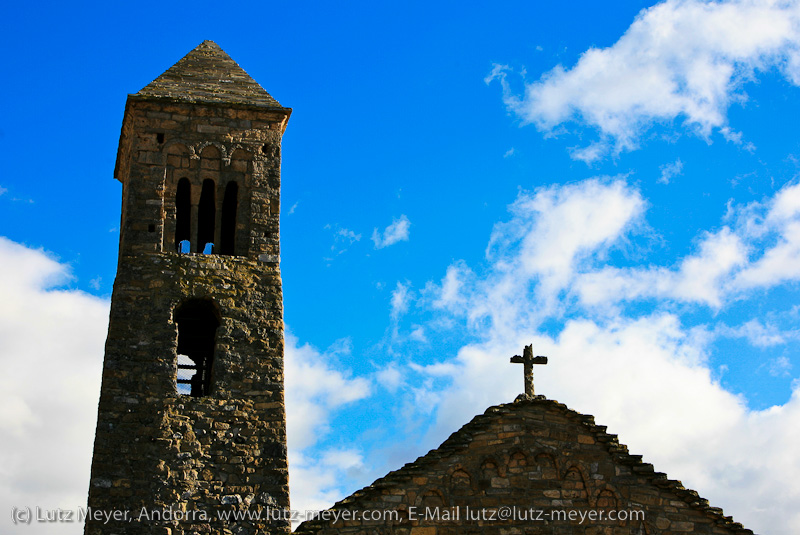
(208, 75)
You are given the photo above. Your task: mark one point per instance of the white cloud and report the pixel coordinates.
(536, 254)
(778, 219)
(51, 353)
(343, 238)
(400, 299)
(348, 235)
(417, 334)
(755, 332)
(761, 250)
(390, 377)
(699, 278)
(3, 190)
(670, 170)
(396, 232)
(588, 154)
(509, 153)
(449, 294)
(780, 367)
(683, 60)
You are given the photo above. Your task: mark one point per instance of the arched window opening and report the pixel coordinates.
(183, 213)
(197, 322)
(184, 247)
(206, 218)
(228, 224)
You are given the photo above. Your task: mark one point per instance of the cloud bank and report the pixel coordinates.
(51, 353)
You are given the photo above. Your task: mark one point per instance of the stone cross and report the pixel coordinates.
(528, 360)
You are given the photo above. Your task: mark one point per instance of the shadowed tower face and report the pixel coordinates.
(191, 423)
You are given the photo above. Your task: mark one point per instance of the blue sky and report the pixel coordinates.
(616, 184)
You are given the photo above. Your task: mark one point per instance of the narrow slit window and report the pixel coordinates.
(228, 224)
(183, 214)
(206, 218)
(197, 327)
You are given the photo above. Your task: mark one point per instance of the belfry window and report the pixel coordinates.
(183, 213)
(206, 218)
(197, 322)
(228, 223)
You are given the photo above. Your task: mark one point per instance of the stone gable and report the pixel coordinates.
(533, 460)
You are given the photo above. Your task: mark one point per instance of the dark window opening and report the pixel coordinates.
(265, 148)
(197, 322)
(151, 228)
(183, 214)
(228, 224)
(160, 137)
(206, 218)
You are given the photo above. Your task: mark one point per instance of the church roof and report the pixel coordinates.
(530, 408)
(208, 75)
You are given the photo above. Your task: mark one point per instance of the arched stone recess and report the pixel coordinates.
(239, 153)
(574, 486)
(605, 497)
(178, 147)
(211, 156)
(492, 475)
(459, 482)
(223, 152)
(490, 468)
(607, 500)
(517, 462)
(430, 498)
(543, 467)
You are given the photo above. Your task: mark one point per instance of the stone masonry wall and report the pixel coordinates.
(534, 454)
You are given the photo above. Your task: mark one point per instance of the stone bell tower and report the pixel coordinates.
(191, 426)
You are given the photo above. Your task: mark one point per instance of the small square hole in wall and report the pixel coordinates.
(151, 228)
(160, 137)
(265, 148)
